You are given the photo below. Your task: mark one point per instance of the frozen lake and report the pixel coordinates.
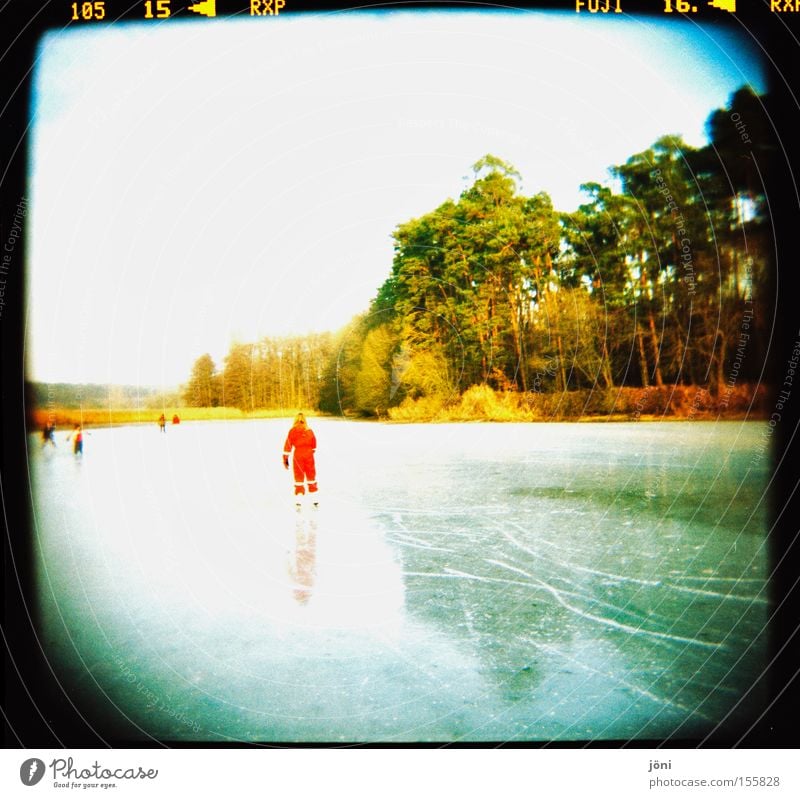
(459, 581)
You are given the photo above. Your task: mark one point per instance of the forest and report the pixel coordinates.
(653, 296)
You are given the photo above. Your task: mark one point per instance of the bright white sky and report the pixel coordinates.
(202, 182)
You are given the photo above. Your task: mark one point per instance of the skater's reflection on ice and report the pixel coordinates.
(303, 560)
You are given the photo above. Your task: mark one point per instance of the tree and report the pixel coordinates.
(466, 278)
(731, 167)
(373, 381)
(338, 388)
(201, 390)
(237, 388)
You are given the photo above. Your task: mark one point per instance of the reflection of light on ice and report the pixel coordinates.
(355, 582)
(315, 569)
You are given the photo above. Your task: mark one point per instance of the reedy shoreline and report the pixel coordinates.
(477, 404)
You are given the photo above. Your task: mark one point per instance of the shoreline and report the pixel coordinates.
(99, 418)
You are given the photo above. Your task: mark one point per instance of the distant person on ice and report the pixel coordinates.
(49, 434)
(162, 423)
(302, 440)
(76, 436)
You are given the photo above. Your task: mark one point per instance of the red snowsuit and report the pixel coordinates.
(302, 439)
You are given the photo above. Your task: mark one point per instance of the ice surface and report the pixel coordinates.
(459, 582)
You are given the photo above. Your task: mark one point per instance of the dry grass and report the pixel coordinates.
(674, 402)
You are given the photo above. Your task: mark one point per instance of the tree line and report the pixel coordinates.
(662, 279)
(72, 396)
(273, 373)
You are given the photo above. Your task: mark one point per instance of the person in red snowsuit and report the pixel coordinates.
(301, 439)
(77, 440)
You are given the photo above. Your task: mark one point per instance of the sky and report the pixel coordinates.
(198, 183)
